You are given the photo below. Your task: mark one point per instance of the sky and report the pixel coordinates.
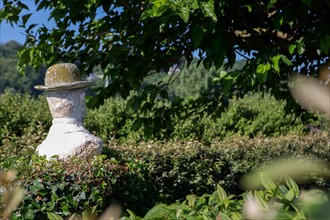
(8, 33)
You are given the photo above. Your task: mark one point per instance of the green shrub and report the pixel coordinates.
(24, 123)
(257, 115)
(254, 115)
(22, 115)
(112, 121)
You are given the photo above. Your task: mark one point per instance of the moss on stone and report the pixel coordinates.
(62, 73)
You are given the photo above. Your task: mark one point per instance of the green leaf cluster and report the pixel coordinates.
(208, 206)
(180, 8)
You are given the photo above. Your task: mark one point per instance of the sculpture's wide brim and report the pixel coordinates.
(66, 86)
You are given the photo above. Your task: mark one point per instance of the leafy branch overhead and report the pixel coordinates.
(133, 39)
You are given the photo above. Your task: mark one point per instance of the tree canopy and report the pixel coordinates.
(130, 40)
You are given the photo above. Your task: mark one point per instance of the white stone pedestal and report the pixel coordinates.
(67, 137)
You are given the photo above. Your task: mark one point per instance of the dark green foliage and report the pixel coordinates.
(208, 206)
(132, 40)
(9, 50)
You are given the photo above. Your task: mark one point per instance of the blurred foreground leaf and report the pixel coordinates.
(11, 197)
(283, 168)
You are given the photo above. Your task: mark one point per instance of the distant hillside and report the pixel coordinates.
(9, 76)
(191, 81)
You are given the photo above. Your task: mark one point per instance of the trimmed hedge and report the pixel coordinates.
(112, 121)
(138, 176)
(181, 168)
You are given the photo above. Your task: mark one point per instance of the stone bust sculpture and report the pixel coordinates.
(66, 100)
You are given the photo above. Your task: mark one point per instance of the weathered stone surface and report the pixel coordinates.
(67, 136)
(67, 104)
(60, 74)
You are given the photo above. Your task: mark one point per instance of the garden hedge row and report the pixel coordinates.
(138, 176)
(181, 168)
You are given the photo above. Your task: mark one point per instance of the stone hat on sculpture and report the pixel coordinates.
(63, 76)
